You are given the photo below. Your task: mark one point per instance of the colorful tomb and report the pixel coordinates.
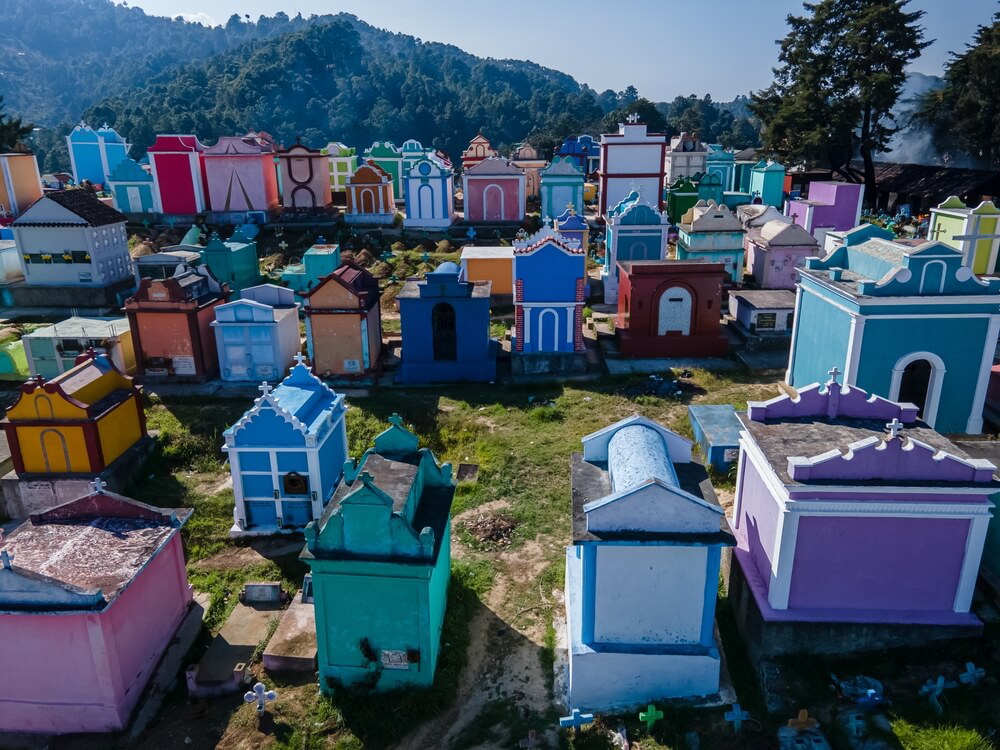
(430, 194)
(670, 308)
(305, 177)
(830, 207)
(257, 336)
(383, 543)
(712, 232)
(239, 171)
(642, 572)
(635, 230)
(132, 188)
(839, 497)
(526, 157)
(778, 252)
(904, 319)
(389, 159)
(479, 148)
(561, 187)
(20, 183)
(177, 163)
(342, 163)
(318, 261)
(78, 422)
(446, 329)
(94, 154)
(171, 324)
(286, 454)
(54, 349)
(490, 264)
(344, 322)
(685, 157)
(975, 232)
(92, 593)
(233, 262)
(632, 160)
(549, 292)
(370, 196)
(494, 191)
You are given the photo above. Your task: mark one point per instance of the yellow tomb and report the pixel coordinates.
(76, 423)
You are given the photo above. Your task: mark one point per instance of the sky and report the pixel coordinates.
(664, 48)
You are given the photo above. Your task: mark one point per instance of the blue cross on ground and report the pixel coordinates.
(972, 674)
(471, 234)
(576, 719)
(934, 690)
(857, 724)
(736, 716)
(651, 715)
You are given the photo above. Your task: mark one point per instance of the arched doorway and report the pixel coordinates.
(675, 311)
(493, 203)
(918, 378)
(548, 330)
(425, 200)
(443, 332)
(55, 452)
(367, 201)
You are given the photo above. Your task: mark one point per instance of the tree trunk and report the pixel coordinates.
(871, 189)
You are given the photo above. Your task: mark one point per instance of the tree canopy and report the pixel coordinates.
(964, 115)
(12, 129)
(842, 67)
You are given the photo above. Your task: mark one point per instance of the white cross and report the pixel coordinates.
(633, 118)
(261, 696)
(894, 427)
(264, 387)
(283, 245)
(300, 358)
(834, 374)
(5, 558)
(98, 484)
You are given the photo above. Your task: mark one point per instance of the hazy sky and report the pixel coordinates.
(662, 47)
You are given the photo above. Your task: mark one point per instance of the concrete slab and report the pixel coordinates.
(292, 648)
(223, 667)
(646, 366)
(764, 360)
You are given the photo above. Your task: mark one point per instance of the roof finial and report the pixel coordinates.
(264, 388)
(98, 485)
(396, 420)
(834, 373)
(894, 427)
(633, 118)
(300, 358)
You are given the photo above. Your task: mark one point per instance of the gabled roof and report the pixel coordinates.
(710, 217)
(352, 277)
(562, 166)
(595, 445)
(493, 165)
(82, 204)
(525, 245)
(235, 145)
(781, 233)
(369, 173)
(128, 170)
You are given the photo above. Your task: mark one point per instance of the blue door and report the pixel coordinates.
(296, 512)
(261, 513)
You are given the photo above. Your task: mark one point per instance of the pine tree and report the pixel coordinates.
(12, 129)
(841, 70)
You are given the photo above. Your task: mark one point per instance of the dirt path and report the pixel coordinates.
(256, 551)
(504, 650)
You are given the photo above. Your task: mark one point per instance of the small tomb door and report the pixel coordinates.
(675, 311)
(443, 332)
(493, 203)
(915, 383)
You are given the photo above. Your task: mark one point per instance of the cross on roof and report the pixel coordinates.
(834, 373)
(894, 427)
(633, 118)
(264, 388)
(396, 420)
(300, 358)
(98, 484)
(5, 558)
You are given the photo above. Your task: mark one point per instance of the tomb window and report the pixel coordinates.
(294, 483)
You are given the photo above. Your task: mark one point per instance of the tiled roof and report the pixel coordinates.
(85, 204)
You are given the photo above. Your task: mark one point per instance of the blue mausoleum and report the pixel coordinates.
(446, 329)
(286, 454)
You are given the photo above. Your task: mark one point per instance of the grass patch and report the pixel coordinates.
(915, 737)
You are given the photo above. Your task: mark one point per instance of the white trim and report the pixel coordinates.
(852, 361)
(786, 537)
(538, 324)
(967, 489)
(892, 510)
(970, 564)
(796, 313)
(975, 422)
(547, 304)
(934, 385)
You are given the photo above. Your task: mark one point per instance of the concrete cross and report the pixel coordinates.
(894, 427)
(633, 118)
(576, 719)
(264, 388)
(651, 715)
(834, 373)
(261, 696)
(6, 557)
(736, 716)
(396, 420)
(803, 721)
(98, 484)
(972, 674)
(283, 245)
(857, 724)
(471, 234)
(934, 689)
(300, 358)
(531, 740)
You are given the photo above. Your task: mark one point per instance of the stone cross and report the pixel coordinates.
(531, 740)
(651, 715)
(300, 358)
(803, 721)
(283, 245)
(736, 716)
(5, 558)
(894, 427)
(98, 484)
(576, 719)
(264, 388)
(972, 674)
(934, 690)
(471, 234)
(261, 696)
(857, 725)
(633, 118)
(834, 373)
